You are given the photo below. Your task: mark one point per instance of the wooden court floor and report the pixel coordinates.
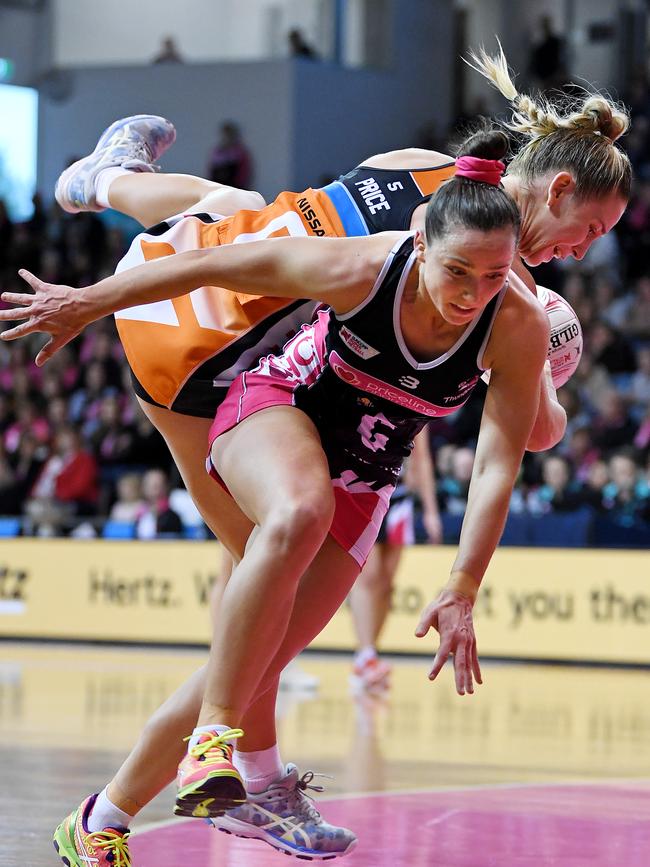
(569, 744)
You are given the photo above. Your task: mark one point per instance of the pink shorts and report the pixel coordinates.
(359, 509)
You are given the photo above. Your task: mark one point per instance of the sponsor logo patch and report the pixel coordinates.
(357, 345)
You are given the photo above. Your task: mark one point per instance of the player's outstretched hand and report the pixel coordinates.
(451, 615)
(52, 308)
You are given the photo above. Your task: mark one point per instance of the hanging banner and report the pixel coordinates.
(591, 605)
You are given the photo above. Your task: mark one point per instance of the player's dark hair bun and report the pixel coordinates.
(485, 143)
(469, 203)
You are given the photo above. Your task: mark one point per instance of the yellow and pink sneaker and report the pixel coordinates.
(208, 782)
(79, 847)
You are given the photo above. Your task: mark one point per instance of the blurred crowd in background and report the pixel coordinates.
(78, 457)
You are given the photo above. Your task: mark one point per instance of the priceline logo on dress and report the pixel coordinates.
(365, 382)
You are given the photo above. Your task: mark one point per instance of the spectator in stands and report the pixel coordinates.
(634, 230)
(627, 496)
(19, 371)
(580, 451)
(230, 161)
(614, 309)
(298, 45)
(37, 223)
(611, 350)
(547, 58)
(28, 420)
(168, 52)
(18, 472)
(129, 505)
(577, 416)
(642, 438)
(592, 489)
(558, 493)
(6, 414)
(589, 382)
(65, 366)
(638, 389)
(52, 386)
(149, 448)
(57, 414)
(100, 346)
(8, 500)
(82, 243)
(636, 142)
(613, 426)
(111, 440)
(85, 402)
(637, 325)
(66, 486)
(157, 518)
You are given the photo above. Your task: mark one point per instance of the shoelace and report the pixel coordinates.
(139, 151)
(217, 747)
(304, 801)
(112, 842)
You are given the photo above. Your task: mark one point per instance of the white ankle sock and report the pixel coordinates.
(201, 730)
(365, 655)
(103, 181)
(105, 814)
(259, 768)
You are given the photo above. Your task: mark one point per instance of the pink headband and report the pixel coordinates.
(477, 169)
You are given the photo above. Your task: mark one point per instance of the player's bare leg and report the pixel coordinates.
(287, 492)
(370, 598)
(153, 761)
(151, 198)
(370, 601)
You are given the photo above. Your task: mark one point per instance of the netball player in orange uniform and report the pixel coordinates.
(185, 353)
(571, 184)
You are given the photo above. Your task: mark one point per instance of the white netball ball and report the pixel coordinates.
(565, 346)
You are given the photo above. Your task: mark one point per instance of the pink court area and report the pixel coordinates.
(509, 826)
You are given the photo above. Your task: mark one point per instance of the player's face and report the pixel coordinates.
(557, 225)
(465, 269)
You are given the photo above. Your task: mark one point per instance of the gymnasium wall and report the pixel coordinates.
(548, 604)
(343, 116)
(301, 119)
(25, 40)
(204, 30)
(197, 98)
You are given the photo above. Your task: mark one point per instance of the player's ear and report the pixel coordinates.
(419, 245)
(561, 186)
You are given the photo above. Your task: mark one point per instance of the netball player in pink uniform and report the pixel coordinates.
(564, 204)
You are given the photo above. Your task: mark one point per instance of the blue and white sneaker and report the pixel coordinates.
(134, 143)
(285, 818)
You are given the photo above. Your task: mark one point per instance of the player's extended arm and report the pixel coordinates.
(338, 271)
(551, 421)
(508, 416)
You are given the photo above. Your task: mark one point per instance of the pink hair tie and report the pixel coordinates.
(478, 169)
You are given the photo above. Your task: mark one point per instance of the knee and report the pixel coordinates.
(302, 522)
(253, 201)
(228, 200)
